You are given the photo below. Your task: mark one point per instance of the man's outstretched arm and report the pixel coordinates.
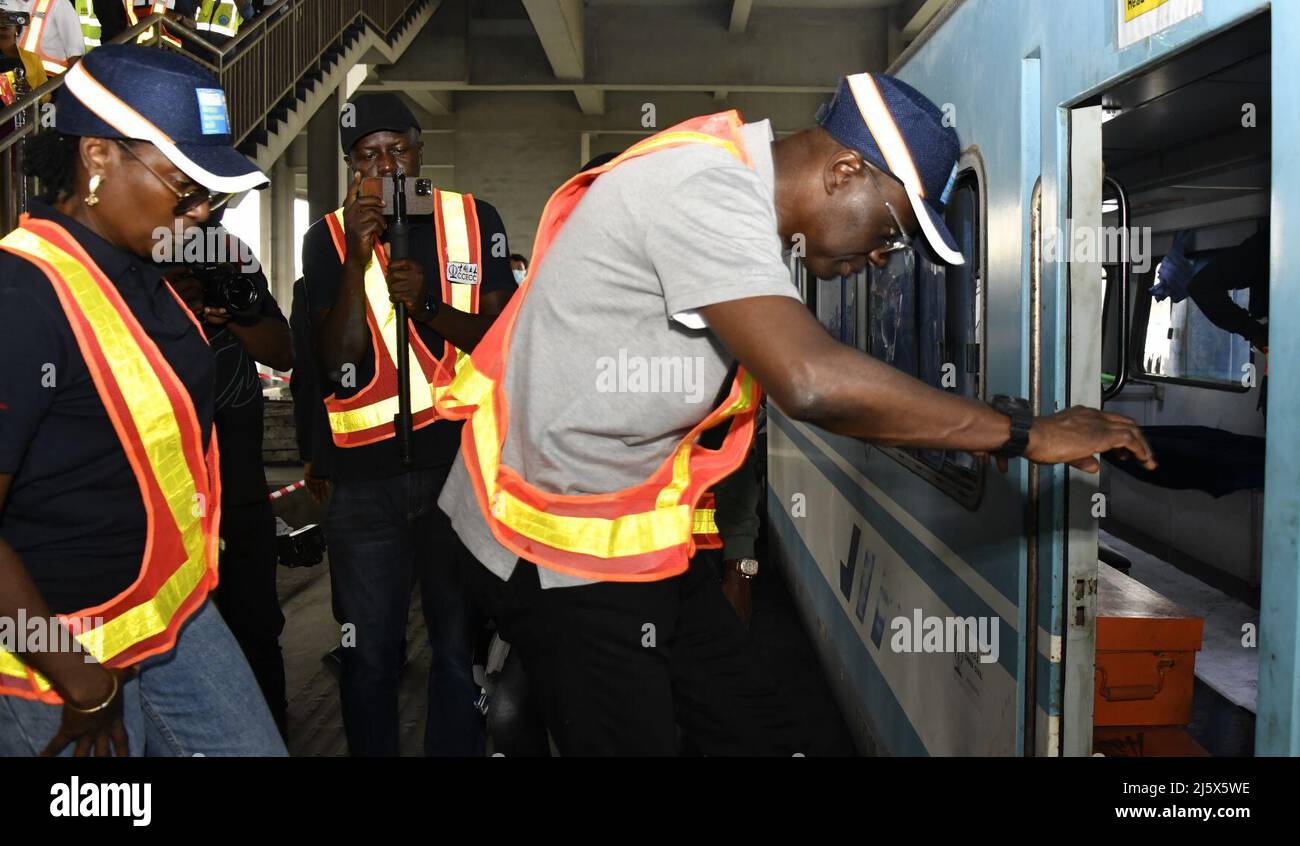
(816, 379)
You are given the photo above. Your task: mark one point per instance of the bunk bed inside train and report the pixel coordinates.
(1186, 152)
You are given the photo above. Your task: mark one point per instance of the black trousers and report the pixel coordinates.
(618, 666)
(246, 596)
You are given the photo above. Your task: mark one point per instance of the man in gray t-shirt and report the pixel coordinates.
(667, 271)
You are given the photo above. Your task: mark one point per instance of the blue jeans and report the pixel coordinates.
(383, 535)
(198, 699)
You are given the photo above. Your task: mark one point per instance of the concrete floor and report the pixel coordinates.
(315, 721)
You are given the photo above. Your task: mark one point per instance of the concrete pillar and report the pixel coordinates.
(324, 159)
(279, 224)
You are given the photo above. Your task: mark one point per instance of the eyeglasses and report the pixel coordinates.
(186, 201)
(900, 240)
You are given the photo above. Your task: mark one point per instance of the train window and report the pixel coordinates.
(924, 318)
(1181, 344)
(891, 313)
(838, 304)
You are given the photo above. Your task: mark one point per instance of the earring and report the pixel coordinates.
(93, 200)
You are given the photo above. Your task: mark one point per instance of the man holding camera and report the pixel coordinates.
(244, 327)
(385, 528)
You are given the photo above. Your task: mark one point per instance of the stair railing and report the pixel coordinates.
(259, 68)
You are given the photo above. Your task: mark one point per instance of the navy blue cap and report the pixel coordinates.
(128, 91)
(897, 129)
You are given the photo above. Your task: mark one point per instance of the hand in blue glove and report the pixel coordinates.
(1175, 272)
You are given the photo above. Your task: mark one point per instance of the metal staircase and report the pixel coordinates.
(277, 72)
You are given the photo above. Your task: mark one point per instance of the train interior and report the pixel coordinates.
(1186, 150)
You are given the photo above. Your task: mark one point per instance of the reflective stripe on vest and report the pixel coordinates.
(367, 416)
(90, 27)
(219, 16)
(158, 7)
(154, 418)
(704, 527)
(640, 533)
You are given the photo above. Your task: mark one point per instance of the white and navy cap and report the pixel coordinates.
(128, 91)
(897, 129)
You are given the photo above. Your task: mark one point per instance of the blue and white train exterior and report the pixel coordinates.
(865, 539)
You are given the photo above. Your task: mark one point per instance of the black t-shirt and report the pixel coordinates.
(434, 445)
(74, 512)
(239, 409)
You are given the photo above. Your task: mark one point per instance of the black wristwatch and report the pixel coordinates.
(1022, 418)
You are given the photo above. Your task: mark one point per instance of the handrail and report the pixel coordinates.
(228, 57)
(258, 69)
(1121, 376)
(32, 99)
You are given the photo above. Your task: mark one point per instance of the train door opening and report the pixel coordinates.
(1186, 181)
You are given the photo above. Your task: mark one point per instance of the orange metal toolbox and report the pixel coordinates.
(1146, 655)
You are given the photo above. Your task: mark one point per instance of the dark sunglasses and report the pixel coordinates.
(186, 201)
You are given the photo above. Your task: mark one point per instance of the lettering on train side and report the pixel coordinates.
(932, 634)
(847, 569)
(868, 570)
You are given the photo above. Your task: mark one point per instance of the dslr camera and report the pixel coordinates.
(225, 285)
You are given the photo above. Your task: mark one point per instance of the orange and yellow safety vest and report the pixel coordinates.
(157, 7)
(34, 35)
(154, 418)
(367, 416)
(646, 532)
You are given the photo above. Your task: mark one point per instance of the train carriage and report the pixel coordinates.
(1092, 123)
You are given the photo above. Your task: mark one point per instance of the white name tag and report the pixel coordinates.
(463, 272)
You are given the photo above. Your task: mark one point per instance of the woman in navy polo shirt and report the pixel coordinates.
(108, 492)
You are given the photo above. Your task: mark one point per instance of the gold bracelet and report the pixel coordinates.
(101, 706)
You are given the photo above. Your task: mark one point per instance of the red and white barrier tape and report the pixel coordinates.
(288, 489)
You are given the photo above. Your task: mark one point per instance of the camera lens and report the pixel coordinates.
(239, 293)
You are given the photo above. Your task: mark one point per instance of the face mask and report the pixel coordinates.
(519, 276)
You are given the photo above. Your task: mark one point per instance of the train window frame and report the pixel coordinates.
(965, 485)
(1139, 326)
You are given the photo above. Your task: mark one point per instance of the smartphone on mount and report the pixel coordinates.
(419, 194)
